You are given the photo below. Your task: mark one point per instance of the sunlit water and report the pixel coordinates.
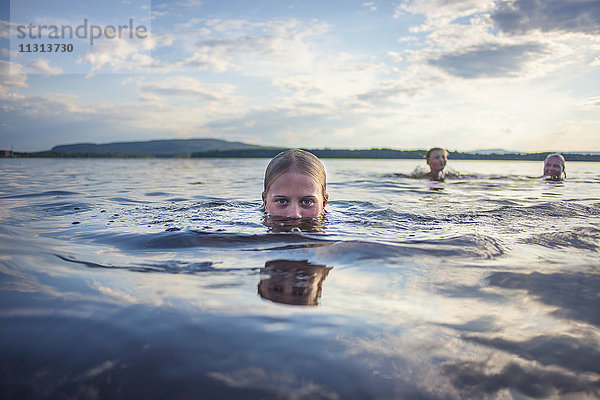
(157, 279)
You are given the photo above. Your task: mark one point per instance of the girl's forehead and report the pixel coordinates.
(554, 159)
(293, 177)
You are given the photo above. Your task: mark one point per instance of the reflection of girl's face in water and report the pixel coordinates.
(292, 282)
(294, 195)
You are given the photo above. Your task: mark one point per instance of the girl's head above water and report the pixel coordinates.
(436, 158)
(554, 166)
(295, 185)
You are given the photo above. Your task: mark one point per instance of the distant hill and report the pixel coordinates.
(164, 148)
(493, 151)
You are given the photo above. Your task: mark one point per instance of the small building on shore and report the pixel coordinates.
(6, 153)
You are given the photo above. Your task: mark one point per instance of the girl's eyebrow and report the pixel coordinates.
(302, 197)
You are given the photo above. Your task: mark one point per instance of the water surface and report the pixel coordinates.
(158, 279)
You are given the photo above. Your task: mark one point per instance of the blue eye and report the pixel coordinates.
(307, 202)
(281, 201)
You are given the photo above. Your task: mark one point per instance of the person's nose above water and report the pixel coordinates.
(294, 210)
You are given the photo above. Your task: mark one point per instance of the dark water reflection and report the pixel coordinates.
(132, 283)
(575, 294)
(279, 224)
(292, 282)
(568, 351)
(476, 380)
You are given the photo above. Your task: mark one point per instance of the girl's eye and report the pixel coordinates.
(307, 202)
(281, 201)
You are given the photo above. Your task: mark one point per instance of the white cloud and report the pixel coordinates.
(395, 56)
(160, 40)
(370, 5)
(591, 103)
(12, 75)
(187, 26)
(183, 86)
(189, 3)
(129, 80)
(441, 13)
(4, 29)
(158, 14)
(334, 81)
(41, 66)
(8, 54)
(271, 48)
(119, 55)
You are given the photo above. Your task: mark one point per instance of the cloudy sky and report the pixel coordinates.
(409, 74)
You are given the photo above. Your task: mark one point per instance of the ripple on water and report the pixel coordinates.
(472, 246)
(584, 238)
(126, 200)
(50, 193)
(157, 194)
(170, 267)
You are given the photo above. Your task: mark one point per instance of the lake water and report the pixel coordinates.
(157, 279)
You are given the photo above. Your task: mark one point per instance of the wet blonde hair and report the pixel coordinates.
(295, 160)
(562, 161)
(434, 149)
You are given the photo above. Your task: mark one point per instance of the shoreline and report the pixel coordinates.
(373, 154)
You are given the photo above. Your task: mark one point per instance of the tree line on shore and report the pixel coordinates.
(321, 153)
